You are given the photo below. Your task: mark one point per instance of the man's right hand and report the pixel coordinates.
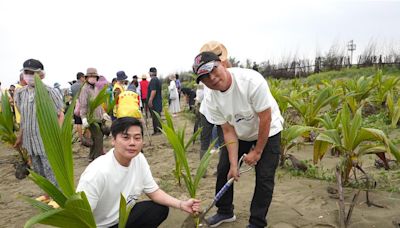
(85, 123)
(150, 104)
(233, 172)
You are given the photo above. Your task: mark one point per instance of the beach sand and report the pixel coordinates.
(297, 201)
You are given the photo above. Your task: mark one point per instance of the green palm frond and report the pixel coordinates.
(176, 139)
(124, 211)
(352, 140)
(74, 208)
(7, 133)
(101, 98)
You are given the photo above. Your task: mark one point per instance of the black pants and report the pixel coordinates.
(265, 180)
(156, 122)
(146, 214)
(145, 107)
(97, 136)
(206, 135)
(197, 120)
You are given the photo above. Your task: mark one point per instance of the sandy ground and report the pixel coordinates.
(297, 201)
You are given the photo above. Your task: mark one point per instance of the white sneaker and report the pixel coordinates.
(212, 151)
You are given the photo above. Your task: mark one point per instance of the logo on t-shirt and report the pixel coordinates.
(240, 117)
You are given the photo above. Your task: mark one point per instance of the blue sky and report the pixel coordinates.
(70, 36)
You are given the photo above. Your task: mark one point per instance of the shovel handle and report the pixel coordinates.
(223, 189)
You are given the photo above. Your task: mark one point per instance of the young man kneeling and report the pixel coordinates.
(124, 169)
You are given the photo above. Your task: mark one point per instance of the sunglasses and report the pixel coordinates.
(207, 68)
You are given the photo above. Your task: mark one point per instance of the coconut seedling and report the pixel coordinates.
(109, 104)
(7, 128)
(289, 136)
(309, 107)
(357, 91)
(329, 124)
(7, 135)
(74, 209)
(384, 85)
(100, 99)
(393, 109)
(176, 138)
(278, 92)
(353, 141)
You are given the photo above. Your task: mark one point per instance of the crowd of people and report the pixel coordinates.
(232, 105)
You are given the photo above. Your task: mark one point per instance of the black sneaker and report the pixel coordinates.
(251, 226)
(217, 219)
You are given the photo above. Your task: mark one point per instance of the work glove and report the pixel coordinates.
(85, 123)
(106, 117)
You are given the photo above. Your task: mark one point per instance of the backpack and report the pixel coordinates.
(128, 105)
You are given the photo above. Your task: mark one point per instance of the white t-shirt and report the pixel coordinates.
(248, 95)
(203, 106)
(105, 179)
(200, 93)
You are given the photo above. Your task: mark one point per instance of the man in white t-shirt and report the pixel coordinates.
(206, 135)
(124, 169)
(241, 102)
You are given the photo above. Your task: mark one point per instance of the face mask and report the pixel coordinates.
(92, 80)
(29, 79)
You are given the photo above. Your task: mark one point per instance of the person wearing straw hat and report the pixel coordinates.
(89, 93)
(251, 125)
(206, 123)
(29, 135)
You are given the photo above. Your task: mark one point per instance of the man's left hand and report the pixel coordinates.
(252, 157)
(191, 206)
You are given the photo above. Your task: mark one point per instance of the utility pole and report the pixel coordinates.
(351, 46)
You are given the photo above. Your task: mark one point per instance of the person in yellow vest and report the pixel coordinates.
(128, 105)
(126, 102)
(118, 88)
(21, 83)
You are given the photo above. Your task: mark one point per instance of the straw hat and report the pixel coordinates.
(216, 47)
(92, 72)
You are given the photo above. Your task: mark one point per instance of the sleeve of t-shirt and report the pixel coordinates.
(151, 86)
(92, 188)
(259, 95)
(149, 184)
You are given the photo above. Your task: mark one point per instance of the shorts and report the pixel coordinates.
(77, 120)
